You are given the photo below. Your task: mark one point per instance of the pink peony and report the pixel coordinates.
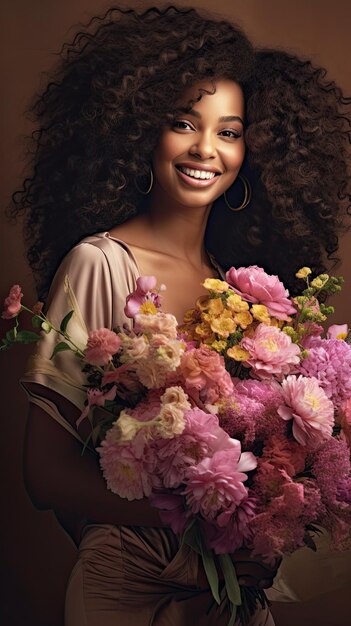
(272, 353)
(126, 472)
(201, 437)
(204, 370)
(329, 360)
(173, 512)
(101, 346)
(254, 285)
(216, 483)
(12, 304)
(227, 537)
(143, 293)
(309, 408)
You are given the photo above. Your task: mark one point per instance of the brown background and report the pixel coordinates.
(37, 554)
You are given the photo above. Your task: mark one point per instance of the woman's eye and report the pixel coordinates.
(230, 134)
(182, 125)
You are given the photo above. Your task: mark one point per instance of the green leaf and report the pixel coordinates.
(230, 578)
(27, 336)
(10, 335)
(192, 537)
(211, 570)
(60, 347)
(65, 321)
(36, 321)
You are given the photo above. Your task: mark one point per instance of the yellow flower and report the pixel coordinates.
(238, 354)
(219, 345)
(319, 281)
(203, 330)
(148, 308)
(202, 303)
(303, 272)
(215, 306)
(214, 284)
(236, 303)
(260, 313)
(223, 326)
(243, 319)
(189, 316)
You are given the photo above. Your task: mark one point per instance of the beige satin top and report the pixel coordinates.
(94, 279)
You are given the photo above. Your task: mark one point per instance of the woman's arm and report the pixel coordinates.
(57, 476)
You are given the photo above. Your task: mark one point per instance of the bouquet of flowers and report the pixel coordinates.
(236, 424)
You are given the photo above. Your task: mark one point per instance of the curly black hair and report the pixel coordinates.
(112, 93)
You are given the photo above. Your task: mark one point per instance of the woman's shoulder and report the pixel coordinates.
(101, 245)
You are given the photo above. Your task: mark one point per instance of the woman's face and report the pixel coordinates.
(200, 155)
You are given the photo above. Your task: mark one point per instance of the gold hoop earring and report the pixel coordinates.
(247, 195)
(145, 193)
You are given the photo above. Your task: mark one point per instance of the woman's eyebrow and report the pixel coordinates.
(223, 118)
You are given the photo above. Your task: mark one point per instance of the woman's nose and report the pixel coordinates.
(204, 147)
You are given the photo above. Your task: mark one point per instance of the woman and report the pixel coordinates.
(141, 139)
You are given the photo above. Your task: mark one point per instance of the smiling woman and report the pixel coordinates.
(204, 147)
(149, 120)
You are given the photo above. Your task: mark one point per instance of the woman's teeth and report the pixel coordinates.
(197, 173)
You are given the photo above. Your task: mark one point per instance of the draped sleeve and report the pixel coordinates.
(93, 280)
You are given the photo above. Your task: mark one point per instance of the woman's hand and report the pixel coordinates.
(253, 573)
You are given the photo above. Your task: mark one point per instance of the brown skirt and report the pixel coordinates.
(140, 577)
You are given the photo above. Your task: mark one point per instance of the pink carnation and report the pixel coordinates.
(309, 408)
(272, 353)
(101, 346)
(254, 285)
(12, 304)
(329, 360)
(216, 483)
(204, 370)
(161, 323)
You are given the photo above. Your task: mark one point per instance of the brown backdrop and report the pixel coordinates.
(37, 554)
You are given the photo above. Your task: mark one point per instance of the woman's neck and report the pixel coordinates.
(177, 230)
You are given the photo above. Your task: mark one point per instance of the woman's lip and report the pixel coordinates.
(196, 182)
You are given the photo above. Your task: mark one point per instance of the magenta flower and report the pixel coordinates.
(12, 304)
(309, 408)
(272, 353)
(329, 360)
(143, 293)
(216, 483)
(254, 285)
(101, 346)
